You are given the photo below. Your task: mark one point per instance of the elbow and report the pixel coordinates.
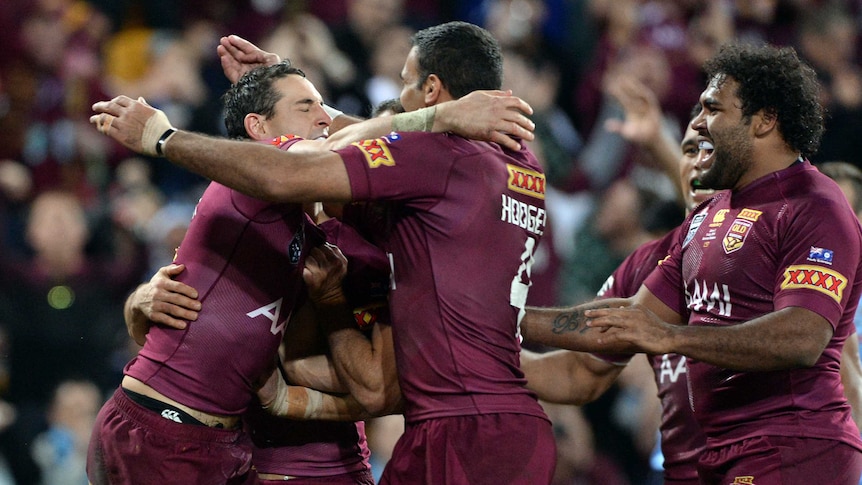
(381, 402)
(373, 403)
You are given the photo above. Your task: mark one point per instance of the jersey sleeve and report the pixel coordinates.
(820, 261)
(399, 166)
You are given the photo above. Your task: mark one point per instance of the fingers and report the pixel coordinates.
(103, 122)
(523, 127)
(505, 140)
(241, 44)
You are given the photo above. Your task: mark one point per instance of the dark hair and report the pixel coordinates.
(393, 105)
(843, 171)
(464, 56)
(253, 93)
(774, 80)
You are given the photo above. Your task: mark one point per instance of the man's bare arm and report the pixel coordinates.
(494, 116)
(297, 402)
(366, 366)
(567, 377)
(789, 338)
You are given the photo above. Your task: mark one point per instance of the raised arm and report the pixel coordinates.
(160, 301)
(644, 123)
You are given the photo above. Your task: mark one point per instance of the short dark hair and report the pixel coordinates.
(253, 93)
(464, 56)
(392, 105)
(774, 80)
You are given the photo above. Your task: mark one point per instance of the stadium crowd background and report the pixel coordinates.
(83, 221)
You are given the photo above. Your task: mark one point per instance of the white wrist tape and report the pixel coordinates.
(156, 133)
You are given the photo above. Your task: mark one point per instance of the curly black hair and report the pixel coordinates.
(775, 80)
(253, 93)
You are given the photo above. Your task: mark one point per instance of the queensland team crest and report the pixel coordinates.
(735, 237)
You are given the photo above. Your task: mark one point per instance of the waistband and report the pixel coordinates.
(151, 419)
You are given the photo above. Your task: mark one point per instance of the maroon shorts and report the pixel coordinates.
(361, 477)
(481, 449)
(782, 460)
(134, 445)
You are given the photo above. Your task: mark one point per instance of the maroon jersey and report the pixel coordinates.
(788, 239)
(682, 440)
(284, 447)
(245, 258)
(468, 219)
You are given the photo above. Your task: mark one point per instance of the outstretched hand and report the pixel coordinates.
(133, 123)
(239, 56)
(325, 267)
(643, 115)
(494, 116)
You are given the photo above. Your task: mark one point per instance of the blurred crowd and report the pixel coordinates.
(83, 221)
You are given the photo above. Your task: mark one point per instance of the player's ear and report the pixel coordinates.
(764, 121)
(432, 88)
(255, 126)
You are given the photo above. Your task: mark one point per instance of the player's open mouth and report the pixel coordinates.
(706, 151)
(704, 162)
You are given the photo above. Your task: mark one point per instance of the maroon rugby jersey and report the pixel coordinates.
(469, 217)
(788, 239)
(245, 258)
(682, 440)
(320, 448)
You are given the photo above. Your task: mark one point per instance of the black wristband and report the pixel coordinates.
(162, 139)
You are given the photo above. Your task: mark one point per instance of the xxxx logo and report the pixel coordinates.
(817, 278)
(746, 480)
(376, 152)
(526, 181)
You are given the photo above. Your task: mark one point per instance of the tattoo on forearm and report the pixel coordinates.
(570, 322)
(574, 321)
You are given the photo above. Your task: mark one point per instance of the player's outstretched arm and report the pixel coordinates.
(275, 175)
(162, 300)
(788, 338)
(494, 116)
